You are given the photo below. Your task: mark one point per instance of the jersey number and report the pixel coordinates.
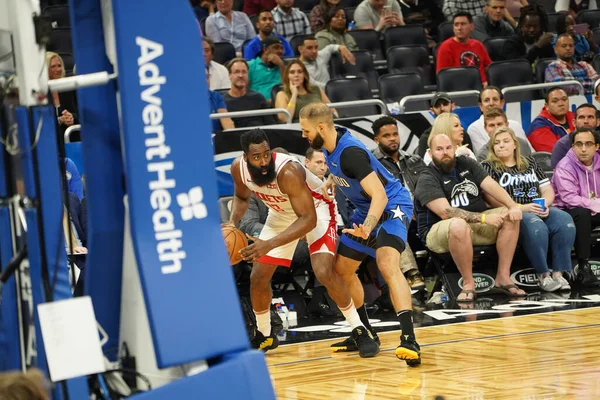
(275, 207)
(460, 200)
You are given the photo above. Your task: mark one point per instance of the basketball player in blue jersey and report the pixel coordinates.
(378, 227)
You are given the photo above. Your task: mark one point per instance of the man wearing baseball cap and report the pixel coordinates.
(266, 70)
(440, 102)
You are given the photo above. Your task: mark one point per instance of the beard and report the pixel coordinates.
(387, 150)
(446, 165)
(257, 173)
(318, 142)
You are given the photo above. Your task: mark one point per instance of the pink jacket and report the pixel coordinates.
(573, 183)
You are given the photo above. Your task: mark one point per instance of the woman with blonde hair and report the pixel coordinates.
(65, 102)
(449, 124)
(542, 227)
(298, 92)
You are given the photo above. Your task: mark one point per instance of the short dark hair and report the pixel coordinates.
(236, 60)
(210, 43)
(307, 37)
(310, 152)
(581, 130)
(586, 105)
(497, 89)
(563, 35)
(263, 10)
(552, 89)
(463, 14)
(535, 10)
(382, 121)
(253, 136)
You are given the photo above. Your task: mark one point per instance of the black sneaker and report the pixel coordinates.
(410, 352)
(260, 342)
(367, 346)
(349, 345)
(586, 275)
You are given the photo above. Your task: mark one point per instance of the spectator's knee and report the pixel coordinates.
(459, 231)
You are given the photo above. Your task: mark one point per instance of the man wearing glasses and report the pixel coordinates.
(576, 182)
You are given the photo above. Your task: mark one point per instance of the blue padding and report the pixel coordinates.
(74, 152)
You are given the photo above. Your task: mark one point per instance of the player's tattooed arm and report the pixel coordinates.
(470, 217)
(370, 222)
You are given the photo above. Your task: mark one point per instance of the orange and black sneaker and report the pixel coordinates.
(349, 345)
(409, 351)
(260, 342)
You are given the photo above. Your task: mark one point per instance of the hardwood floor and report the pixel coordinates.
(542, 356)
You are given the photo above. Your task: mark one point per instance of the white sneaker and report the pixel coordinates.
(548, 284)
(564, 284)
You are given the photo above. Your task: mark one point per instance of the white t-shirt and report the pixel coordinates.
(479, 137)
(563, 5)
(219, 76)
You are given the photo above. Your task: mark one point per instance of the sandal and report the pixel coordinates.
(466, 299)
(506, 290)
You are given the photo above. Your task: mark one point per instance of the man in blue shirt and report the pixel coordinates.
(379, 225)
(265, 26)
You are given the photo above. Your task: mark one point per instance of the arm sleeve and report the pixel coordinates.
(211, 29)
(252, 222)
(567, 185)
(75, 184)
(250, 51)
(542, 139)
(361, 18)
(428, 188)
(355, 163)
(561, 6)
(444, 58)
(325, 54)
(219, 101)
(323, 41)
(287, 48)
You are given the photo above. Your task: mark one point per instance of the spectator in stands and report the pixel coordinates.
(449, 124)
(290, 21)
(203, 8)
(452, 215)
(585, 47)
(492, 24)
(230, 26)
(495, 118)
(424, 12)
(253, 7)
(317, 14)
(297, 91)
(240, 98)
(317, 61)
(74, 182)
(514, 7)
(473, 7)
(219, 78)
(406, 168)
(574, 6)
(462, 51)
(217, 105)
(65, 103)
(265, 26)
(532, 40)
(490, 97)
(336, 30)
(554, 121)
(540, 228)
(586, 116)
(267, 69)
(567, 69)
(575, 182)
(378, 15)
(31, 385)
(439, 103)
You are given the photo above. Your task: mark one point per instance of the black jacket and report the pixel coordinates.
(409, 169)
(514, 48)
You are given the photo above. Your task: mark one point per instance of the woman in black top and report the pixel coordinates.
(65, 102)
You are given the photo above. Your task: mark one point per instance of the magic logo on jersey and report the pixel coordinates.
(461, 191)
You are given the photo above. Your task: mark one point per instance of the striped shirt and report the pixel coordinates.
(292, 24)
(522, 186)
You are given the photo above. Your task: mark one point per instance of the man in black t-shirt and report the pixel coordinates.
(452, 215)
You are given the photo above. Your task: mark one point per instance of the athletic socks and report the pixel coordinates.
(263, 321)
(362, 312)
(351, 315)
(406, 324)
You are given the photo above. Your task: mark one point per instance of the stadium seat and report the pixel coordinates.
(596, 33)
(403, 35)
(224, 51)
(411, 58)
(274, 90)
(394, 87)
(203, 26)
(58, 15)
(349, 3)
(69, 62)
(495, 48)
(254, 19)
(543, 159)
(225, 208)
(552, 18)
(363, 67)
(459, 78)
(590, 17)
(445, 31)
(349, 13)
(512, 73)
(297, 41)
(60, 41)
(540, 68)
(305, 5)
(350, 89)
(596, 62)
(368, 39)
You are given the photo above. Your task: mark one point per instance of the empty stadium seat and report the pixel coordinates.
(368, 39)
(203, 26)
(512, 73)
(552, 18)
(411, 58)
(274, 90)
(543, 159)
(305, 5)
(459, 78)
(596, 62)
(350, 89)
(60, 41)
(363, 67)
(58, 15)
(349, 13)
(224, 51)
(69, 62)
(590, 17)
(297, 41)
(254, 19)
(445, 31)
(495, 48)
(540, 68)
(394, 87)
(403, 35)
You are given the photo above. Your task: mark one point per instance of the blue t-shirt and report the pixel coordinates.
(73, 178)
(254, 46)
(216, 102)
(352, 188)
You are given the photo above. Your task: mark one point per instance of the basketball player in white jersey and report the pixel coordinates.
(296, 209)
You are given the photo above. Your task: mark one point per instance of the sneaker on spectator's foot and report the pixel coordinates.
(547, 284)
(564, 284)
(349, 344)
(260, 342)
(586, 275)
(410, 351)
(367, 346)
(415, 279)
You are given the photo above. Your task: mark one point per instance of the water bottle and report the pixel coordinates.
(292, 316)
(351, 26)
(282, 314)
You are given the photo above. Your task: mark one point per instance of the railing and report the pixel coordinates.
(253, 113)
(535, 86)
(429, 96)
(71, 129)
(357, 103)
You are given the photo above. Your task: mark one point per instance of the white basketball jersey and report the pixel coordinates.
(271, 195)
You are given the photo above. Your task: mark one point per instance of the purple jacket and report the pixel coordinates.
(572, 183)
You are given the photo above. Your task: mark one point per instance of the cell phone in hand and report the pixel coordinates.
(580, 29)
(387, 10)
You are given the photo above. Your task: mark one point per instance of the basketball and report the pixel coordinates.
(234, 240)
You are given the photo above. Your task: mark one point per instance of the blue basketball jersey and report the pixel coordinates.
(396, 193)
